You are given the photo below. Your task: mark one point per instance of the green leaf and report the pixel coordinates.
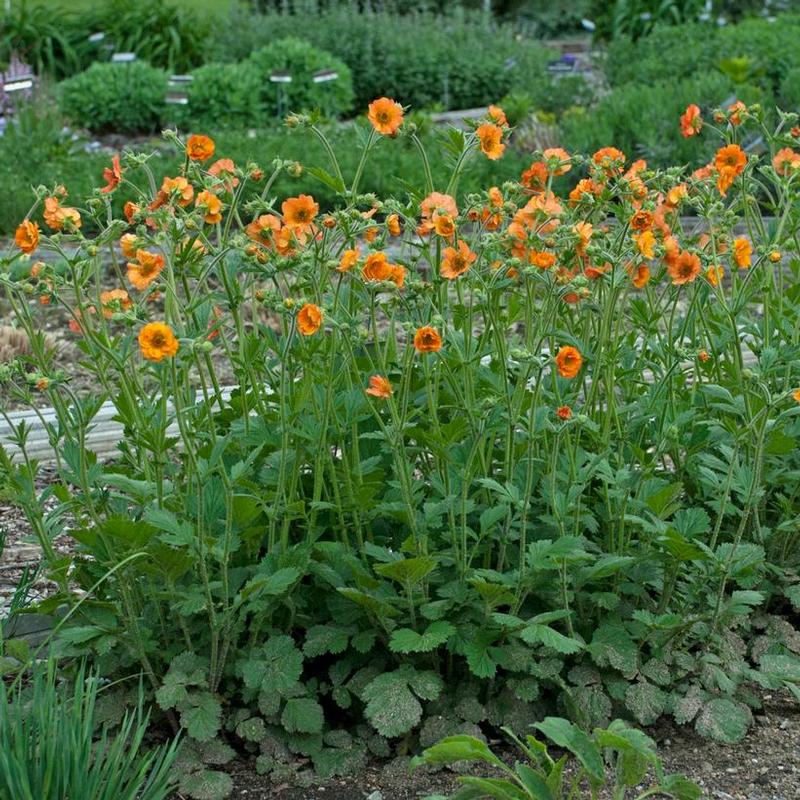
(209, 784)
(276, 666)
(277, 583)
(302, 715)
(407, 570)
(542, 634)
(177, 533)
(563, 733)
(202, 721)
(533, 783)
(405, 640)
(391, 706)
(325, 177)
(645, 701)
(496, 788)
(724, 720)
(611, 646)
(680, 787)
(321, 639)
(782, 667)
(457, 748)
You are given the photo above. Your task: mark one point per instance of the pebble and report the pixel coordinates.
(376, 795)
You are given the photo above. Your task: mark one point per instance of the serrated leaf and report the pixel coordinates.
(724, 720)
(202, 720)
(645, 701)
(276, 666)
(302, 715)
(612, 646)
(405, 640)
(542, 634)
(321, 639)
(209, 784)
(407, 570)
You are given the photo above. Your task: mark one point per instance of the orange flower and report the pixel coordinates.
(796, 395)
(735, 112)
(130, 210)
(691, 122)
(200, 148)
(397, 275)
(535, 177)
(386, 116)
(610, 160)
(379, 387)
(541, 259)
(568, 361)
(558, 160)
(585, 230)
(225, 169)
(742, 252)
(263, 229)
(641, 276)
(498, 116)
(456, 262)
(376, 268)
(786, 161)
(145, 269)
(444, 225)
(309, 319)
(27, 236)
(564, 412)
(714, 275)
(427, 340)
(348, 260)
(703, 356)
(114, 300)
(684, 269)
(179, 188)
(157, 341)
(127, 244)
(585, 187)
(676, 195)
(211, 206)
(112, 176)
(393, 225)
(491, 138)
(642, 220)
(56, 215)
(729, 162)
(434, 205)
(646, 242)
(299, 212)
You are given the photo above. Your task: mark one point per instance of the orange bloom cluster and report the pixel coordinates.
(145, 268)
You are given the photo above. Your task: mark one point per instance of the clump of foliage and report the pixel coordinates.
(301, 61)
(419, 59)
(486, 454)
(225, 95)
(164, 34)
(51, 747)
(630, 753)
(121, 98)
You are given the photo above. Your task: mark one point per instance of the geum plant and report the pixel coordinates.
(482, 455)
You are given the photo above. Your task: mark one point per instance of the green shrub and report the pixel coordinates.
(226, 95)
(160, 33)
(301, 60)
(418, 59)
(643, 121)
(50, 748)
(790, 90)
(765, 52)
(124, 98)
